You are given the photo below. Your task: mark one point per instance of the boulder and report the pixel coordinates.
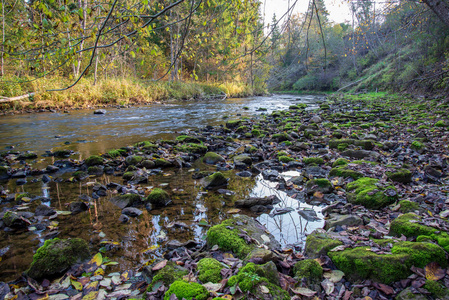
(14, 220)
(215, 180)
(99, 112)
(131, 212)
(78, 207)
(56, 256)
(321, 185)
(158, 198)
(212, 158)
(126, 200)
(342, 220)
(44, 210)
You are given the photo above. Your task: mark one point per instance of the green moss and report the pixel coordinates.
(402, 176)
(309, 269)
(251, 276)
(440, 123)
(19, 197)
(280, 137)
(209, 270)
(56, 256)
(436, 289)
(417, 145)
(318, 244)
(342, 171)
(255, 132)
(188, 139)
(241, 129)
(407, 206)
(94, 160)
(364, 191)
(360, 263)
(215, 180)
(421, 254)
(233, 123)
(160, 162)
(116, 153)
(365, 144)
(133, 160)
(285, 159)
(192, 148)
(227, 239)
(340, 162)
(408, 225)
(168, 274)
(342, 147)
(158, 197)
(188, 291)
(212, 158)
(313, 160)
(128, 175)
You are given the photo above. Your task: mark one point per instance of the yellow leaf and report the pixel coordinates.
(430, 213)
(78, 286)
(97, 259)
(91, 296)
(99, 272)
(124, 276)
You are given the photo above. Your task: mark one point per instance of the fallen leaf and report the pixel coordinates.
(303, 292)
(212, 287)
(328, 286)
(78, 286)
(386, 289)
(159, 265)
(338, 248)
(233, 211)
(264, 289)
(434, 271)
(203, 222)
(334, 275)
(97, 259)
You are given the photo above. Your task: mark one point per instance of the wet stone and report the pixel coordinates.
(244, 174)
(131, 212)
(44, 210)
(51, 169)
(271, 175)
(123, 218)
(78, 207)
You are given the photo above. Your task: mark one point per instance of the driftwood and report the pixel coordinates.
(352, 83)
(9, 99)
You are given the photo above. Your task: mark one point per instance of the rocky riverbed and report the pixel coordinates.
(376, 168)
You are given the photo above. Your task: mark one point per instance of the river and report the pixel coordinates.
(139, 240)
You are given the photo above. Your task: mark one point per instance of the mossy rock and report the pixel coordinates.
(340, 162)
(441, 123)
(285, 159)
(226, 235)
(233, 124)
(192, 148)
(242, 159)
(360, 263)
(321, 185)
(343, 171)
(212, 158)
(418, 146)
(95, 170)
(133, 160)
(309, 269)
(168, 274)
(280, 137)
(402, 176)
(188, 291)
(365, 144)
(94, 160)
(62, 153)
(409, 225)
(116, 153)
(313, 160)
(158, 197)
(128, 175)
(252, 276)
(188, 139)
(407, 206)
(14, 220)
(80, 175)
(209, 270)
(56, 256)
(364, 191)
(126, 200)
(214, 181)
(318, 244)
(162, 163)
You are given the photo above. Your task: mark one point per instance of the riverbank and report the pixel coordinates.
(378, 167)
(112, 92)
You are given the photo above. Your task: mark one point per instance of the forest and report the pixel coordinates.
(153, 50)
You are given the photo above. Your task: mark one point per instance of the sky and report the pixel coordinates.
(338, 9)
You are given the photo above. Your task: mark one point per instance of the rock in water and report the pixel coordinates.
(158, 198)
(56, 256)
(214, 181)
(100, 112)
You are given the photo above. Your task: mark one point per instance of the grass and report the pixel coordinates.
(114, 91)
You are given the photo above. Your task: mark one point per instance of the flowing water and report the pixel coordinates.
(139, 240)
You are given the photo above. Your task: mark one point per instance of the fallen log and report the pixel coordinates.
(9, 99)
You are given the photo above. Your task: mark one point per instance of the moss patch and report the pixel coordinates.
(313, 160)
(364, 191)
(318, 244)
(94, 160)
(57, 256)
(343, 171)
(402, 176)
(169, 274)
(209, 270)
(309, 269)
(226, 236)
(188, 291)
(158, 197)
